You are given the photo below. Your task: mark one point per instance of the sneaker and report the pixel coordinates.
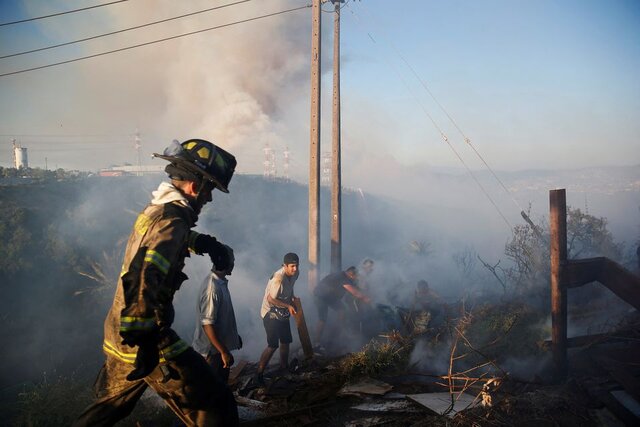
(294, 365)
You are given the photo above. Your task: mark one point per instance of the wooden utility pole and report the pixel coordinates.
(314, 149)
(336, 165)
(558, 223)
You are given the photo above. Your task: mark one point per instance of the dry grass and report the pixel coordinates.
(384, 354)
(57, 401)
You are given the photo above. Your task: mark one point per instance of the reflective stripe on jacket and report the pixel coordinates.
(142, 309)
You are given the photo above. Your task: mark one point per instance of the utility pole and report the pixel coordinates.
(558, 228)
(314, 149)
(336, 175)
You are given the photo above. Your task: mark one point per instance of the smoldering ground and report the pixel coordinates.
(58, 304)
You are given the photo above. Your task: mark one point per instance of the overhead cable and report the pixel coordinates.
(466, 139)
(445, 138)
(156, 41)
(124, 30)
(61, 13)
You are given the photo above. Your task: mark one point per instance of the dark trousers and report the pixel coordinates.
(192, 391)
(215, 361)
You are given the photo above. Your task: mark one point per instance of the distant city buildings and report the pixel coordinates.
(131, 170)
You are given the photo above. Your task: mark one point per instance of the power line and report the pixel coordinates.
(441, 132)
(156, 41)
(466, 139)
(61, 13)
(123, 30)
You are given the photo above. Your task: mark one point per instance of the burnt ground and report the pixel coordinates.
(373, 386)
(312, 397)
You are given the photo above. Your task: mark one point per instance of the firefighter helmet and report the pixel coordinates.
(200, 159)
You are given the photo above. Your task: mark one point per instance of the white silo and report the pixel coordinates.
(20, 158)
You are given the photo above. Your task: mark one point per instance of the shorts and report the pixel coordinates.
(323, 304)
(277, 330)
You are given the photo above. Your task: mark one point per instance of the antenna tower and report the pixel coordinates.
(138, 145)
(325, 178)
(285, 167)
(269, 162)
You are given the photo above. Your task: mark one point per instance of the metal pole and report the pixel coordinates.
(314, 149)
(336, 165)
(558, 223)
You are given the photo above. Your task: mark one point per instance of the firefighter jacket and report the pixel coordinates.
(142, 310)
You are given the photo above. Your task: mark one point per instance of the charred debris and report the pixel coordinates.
(460, 371)
(450, 364)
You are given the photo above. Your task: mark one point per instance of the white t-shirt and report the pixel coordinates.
(280, 287)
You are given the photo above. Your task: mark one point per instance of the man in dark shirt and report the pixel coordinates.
(329, 293)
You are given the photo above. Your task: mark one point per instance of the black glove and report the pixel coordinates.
(205, 244)
(221, 255)
(147, 359)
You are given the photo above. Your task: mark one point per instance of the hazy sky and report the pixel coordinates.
(539, 84)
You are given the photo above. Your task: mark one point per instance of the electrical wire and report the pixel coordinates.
(466, 139)
(123, 30)
(61, 13)
(156, 41)
(346, 2)
(441, 132)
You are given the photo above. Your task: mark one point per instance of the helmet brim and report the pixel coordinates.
(195, 169)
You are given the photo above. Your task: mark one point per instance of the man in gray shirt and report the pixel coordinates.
(216, 333)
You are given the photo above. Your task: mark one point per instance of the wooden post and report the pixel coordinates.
(303, 332)
(558, 223)
(336, 177)
(314, 149)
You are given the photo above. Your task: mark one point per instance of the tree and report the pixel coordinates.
(587, 236)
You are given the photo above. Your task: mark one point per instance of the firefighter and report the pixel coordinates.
(141, 348)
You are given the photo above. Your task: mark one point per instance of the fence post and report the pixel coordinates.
(558, 223)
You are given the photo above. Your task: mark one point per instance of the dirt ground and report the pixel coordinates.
(313, 397)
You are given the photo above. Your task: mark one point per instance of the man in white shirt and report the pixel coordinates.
(277, 307)
(216, 333)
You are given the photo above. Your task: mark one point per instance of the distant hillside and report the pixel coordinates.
(61, 245)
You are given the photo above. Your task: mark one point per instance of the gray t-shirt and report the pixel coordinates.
(280, 287)
(215, 308)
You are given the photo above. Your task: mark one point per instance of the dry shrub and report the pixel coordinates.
(387, 353)
(58, 402)
(506, 330)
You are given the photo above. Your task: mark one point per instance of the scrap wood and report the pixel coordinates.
(236, 371)
(441, 402)
(303, 332)
(388, 406)
(252, 403)
(260, 422)
(626, 400)
(394, 396)
(627, 380)
(366, 422)
(365, 386)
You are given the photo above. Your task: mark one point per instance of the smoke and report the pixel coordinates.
(239, 86)
(244, 87)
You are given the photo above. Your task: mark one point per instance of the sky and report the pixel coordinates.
(544, 85)
(534, 85)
